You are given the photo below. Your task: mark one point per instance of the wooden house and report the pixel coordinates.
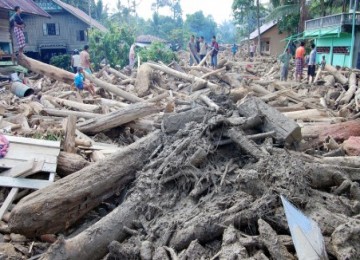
(7, 6)
(66, 30)
(272, 41)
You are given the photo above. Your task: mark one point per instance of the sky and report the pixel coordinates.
(220, 10)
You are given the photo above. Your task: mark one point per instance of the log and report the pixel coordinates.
(113, 89)
(246, 145)
(213, 73)
(338, 76)
(69, 163)
(46, 69)
(329, 81)
(117, 73)
(352, 146)
(351, 91)
(69, 141)
(75, 195)
(205, 58)
(238, 93)
(306, 114)
(269, 237)
(286, 129)
(73, 104)
(198, 82)
(117, 118)
(174, 122)
(143, 79)
(66, 113)
(339, 132)
(211, 104)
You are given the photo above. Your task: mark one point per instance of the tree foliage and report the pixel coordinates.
(61, 61)
(113, 46)
(201, 25)
(157, 51)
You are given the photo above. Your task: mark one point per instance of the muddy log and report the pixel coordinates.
(58, 206)
(351, 91)
(338, 76)
(286, 129)
(143, 79)
(46, 69)
(69, 163)
(117, 118)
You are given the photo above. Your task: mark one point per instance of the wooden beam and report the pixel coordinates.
(23, 183)
(69, 141)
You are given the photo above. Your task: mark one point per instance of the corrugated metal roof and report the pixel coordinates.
(28, 6)
(263, 28)
(81, 15)
(148, 39)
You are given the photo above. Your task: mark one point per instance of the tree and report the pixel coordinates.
(200, 25)
(227, 32)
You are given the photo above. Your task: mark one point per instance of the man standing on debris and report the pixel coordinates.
(203, 48)
(75, 60)
(299, 61)
(234, 49)
(85, 59)
(312, 64)
(192, 49)
(80, 84)
(215, 50)
(132, 56)
(18, 24)
(285, 60)
(252, 50)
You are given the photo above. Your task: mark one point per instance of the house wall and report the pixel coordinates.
(69, 27)
(276, 40)
(5, 38)
(335, 59)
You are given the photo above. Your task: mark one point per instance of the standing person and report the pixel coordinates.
(85, 59)
(132, 56)
(285, 60)
(252, 50)
(75, 60)
(299, 61)
(312, 64)
(323, 62)
(203, 48)
(80, 84)
(192, 49)
(19, 26)
(234, 49)
(215, 50)
(198, 45)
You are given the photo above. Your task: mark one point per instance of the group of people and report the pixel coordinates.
(301, 59)
(199, 49)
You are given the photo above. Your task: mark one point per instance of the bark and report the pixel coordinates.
(58, 206)
(286, 129)
(46, 69)
(69, 141)
(69, 163)
(117, 118)
(143, 79)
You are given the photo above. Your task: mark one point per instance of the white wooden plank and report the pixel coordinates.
(8, 201)
(23, 183)
(10, 163)
(31, 141)
(19, 169)
(35, 149)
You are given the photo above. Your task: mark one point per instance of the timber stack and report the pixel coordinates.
(179, 162)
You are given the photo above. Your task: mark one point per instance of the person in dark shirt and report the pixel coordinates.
(19, 29)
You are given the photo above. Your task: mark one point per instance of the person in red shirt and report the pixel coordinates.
(299, 61)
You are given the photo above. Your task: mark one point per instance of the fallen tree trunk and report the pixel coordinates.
(46, 69)
(57, 207)
(66, 113)
(143, 79)
(338, 76)
(117, 118)
(117, 73)
(351, 91)
(73, 104)
(113, 89)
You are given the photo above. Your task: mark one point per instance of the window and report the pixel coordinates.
(323, 49)
(265, 46)
(51, 29)
(341, 50)
(81, 35)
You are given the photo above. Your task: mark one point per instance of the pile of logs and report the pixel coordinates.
(189, 162)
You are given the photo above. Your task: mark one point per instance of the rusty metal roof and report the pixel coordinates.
(28, 7)
(81, 15)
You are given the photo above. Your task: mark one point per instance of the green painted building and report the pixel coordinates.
(337, 37)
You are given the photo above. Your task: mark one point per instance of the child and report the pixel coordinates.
(79, 82)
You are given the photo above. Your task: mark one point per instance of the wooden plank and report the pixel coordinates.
(19, 169)
(10, 163)
(23, 183)
(69, 142)
(8, 201)
(31, 141)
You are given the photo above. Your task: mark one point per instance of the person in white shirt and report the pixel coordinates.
(75, 60)
(132, 56)
(252, 50)
(203, 48)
